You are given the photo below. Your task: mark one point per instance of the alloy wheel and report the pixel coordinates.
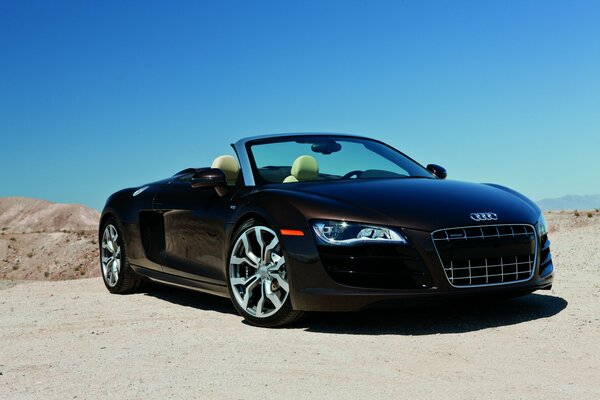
(257, 272)
(111, 255)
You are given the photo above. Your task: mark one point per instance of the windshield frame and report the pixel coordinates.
(249, 163)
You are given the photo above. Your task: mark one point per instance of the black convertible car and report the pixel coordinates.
(323, 222)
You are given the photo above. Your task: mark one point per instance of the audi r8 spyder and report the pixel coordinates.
(322, 222)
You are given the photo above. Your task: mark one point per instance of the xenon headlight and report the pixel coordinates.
(340, 233)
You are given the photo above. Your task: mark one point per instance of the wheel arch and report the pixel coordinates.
(105, 216)
(245, 217)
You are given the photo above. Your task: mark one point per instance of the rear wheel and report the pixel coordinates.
(257, 277)
(116, 272)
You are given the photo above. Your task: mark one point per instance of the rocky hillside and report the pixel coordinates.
(44, 240)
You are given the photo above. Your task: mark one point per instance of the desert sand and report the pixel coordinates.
(72, 339)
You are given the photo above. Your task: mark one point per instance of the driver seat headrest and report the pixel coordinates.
(304, 168)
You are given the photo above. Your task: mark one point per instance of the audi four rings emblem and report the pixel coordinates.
(484, 216)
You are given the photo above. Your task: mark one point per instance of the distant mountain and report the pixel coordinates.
(44, 240)
(26, 215)
(588, 202)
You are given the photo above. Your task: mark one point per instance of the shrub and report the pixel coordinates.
(30, 254)
(15, 267)
(576, 213)
(590, 215)
(12, 239)
(46, 274)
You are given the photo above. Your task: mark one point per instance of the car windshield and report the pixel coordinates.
(319, 158)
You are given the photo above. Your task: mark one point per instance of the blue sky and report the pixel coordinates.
(97, 96)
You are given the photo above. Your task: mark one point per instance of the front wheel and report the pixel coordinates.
(257, 277)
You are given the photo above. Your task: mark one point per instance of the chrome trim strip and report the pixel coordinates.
(533, 266)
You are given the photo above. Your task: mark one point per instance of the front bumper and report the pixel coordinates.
(313, 289)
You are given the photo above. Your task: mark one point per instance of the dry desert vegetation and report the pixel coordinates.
(72, 339)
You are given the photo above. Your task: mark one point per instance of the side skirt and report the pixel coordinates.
(177, 281)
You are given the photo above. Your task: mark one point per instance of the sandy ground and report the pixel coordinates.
(72, 339)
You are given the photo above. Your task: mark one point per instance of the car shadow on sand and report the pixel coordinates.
(454, 317)
(190, 298)
(450, 317)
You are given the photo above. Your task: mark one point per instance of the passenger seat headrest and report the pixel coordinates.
(230, 167)
(305, 168)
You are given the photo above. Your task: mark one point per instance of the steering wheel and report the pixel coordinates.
(356, 172)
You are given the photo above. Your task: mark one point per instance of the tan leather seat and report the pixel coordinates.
(305, 168)
(230, 167)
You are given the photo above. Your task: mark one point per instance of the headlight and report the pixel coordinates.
(542, 226)
(340, 233)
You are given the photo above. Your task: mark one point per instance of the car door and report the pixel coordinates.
(194, 230)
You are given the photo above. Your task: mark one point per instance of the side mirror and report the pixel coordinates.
(437, 170)
(210, 177)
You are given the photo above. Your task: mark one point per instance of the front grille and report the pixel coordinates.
(487, 255)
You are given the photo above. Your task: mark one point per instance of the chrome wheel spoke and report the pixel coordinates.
(241, 260)
(246, 299)
(244, 281)
(115, 270)
(108, 245)
(259, 239)
(113, 233)
(278, 264)
(271, 295)
(281, 282)
(261, 301)
(248, 251)
(269, 248)
(248, 292)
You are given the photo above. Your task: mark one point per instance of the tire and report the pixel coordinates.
(258, 284)
(117, 275)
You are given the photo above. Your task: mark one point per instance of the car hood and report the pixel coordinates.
(416, 203)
